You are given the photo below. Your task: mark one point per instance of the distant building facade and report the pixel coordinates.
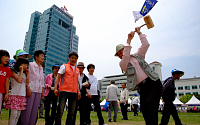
(187, 86)
(119, 79)
(53, 32)
(156, 66)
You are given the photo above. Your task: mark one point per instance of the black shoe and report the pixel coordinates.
(124, 119)
(109, 120)
(41, 116)
(115, 121)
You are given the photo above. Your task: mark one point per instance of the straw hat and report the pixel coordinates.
(118, 48)
(81, 64)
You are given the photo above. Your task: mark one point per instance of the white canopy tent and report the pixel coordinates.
(193, 101)
(161, 102)
(177, 102)
(129, 100)
(130, 105)
(103, 102)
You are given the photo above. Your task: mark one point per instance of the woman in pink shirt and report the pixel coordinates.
(36, 84)
(50, 97)
(150, 85)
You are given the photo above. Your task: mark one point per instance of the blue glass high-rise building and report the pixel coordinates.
(54, 33)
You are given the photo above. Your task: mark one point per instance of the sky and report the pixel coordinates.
(103, 24)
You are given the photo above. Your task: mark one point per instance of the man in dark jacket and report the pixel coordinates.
(83, 85)
(168, 95)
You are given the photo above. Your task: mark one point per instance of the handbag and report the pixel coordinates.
(106, 105)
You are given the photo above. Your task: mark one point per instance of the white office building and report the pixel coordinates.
(187, 86)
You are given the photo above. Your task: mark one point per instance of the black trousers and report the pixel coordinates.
(124, 110)
(150, 93)
(95, 101)
(81, 106)
(135, 109)
(50, 98)
(169, 108)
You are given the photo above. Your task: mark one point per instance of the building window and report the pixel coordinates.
(188, 93)
(195, 92)
(175, 94)
(194, 87)
(180, 94)
(63, 24)
(199, 86)
(153, 68)
(187, 87)
(180, 88)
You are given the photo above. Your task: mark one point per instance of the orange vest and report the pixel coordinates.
(69, 80)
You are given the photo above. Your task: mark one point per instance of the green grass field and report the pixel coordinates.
(186, 118)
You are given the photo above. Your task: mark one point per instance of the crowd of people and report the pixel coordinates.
(24, 86)
(194, 109)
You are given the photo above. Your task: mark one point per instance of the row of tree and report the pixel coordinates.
(186, 98)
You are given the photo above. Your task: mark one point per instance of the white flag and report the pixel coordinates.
(137, 15)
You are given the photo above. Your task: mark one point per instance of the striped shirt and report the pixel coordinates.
(168, 83)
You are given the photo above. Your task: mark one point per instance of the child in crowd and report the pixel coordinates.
(5, 73)
(19, 81)
(36, 84)
(19, 53)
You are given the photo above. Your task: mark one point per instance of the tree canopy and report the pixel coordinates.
(186, 98)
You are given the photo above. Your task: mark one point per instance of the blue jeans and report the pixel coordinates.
(72, 98)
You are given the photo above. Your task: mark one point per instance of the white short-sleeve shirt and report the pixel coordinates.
(93, 81)
(62, 69)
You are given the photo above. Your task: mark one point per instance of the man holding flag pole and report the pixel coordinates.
(139, 74)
